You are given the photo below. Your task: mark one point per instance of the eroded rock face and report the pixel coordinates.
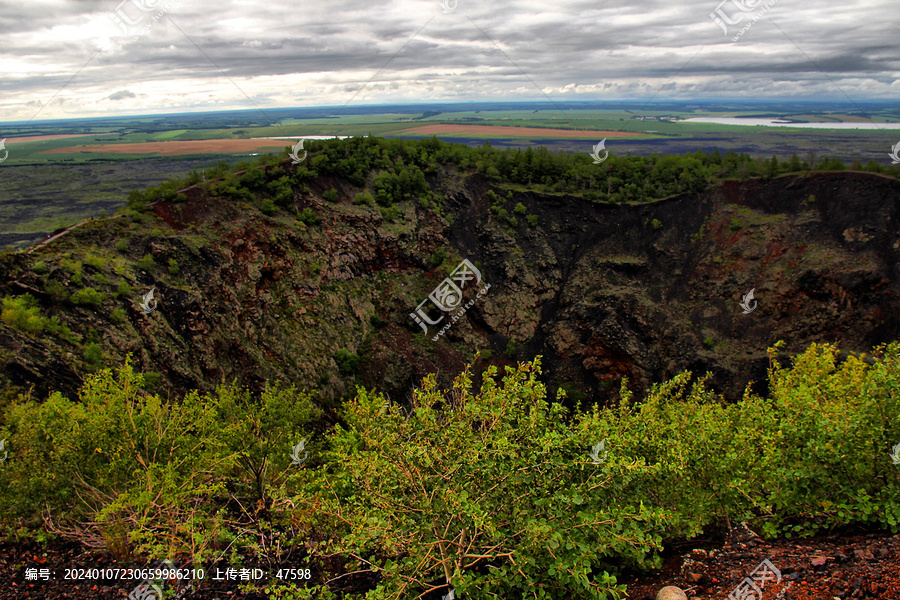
(602, 292)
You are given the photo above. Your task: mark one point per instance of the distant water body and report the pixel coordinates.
(777, 123)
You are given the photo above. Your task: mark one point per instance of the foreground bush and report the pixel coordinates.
(492, 494)
(495, 494)
(121, 468)
(490, 489)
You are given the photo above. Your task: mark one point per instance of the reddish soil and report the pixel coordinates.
(218, 146)
(822, 568)
(41, 138)
(505, 131)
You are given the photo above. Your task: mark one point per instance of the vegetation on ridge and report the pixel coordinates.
(395, 170)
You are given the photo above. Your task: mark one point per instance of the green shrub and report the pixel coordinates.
(838, 417)
(309, 217)
(93, 355)
(438, 257)
(656, 224)
(88, 297)
(532, 220)
(391, 214)
(120, 461)
(267, 207)
(92, 260)
(75, 269)
(22, 313)
(330, 195)
(122, 246)
(347, 362)
(147, 263)
(123, 289)
(118, 315)
(520, 209)
(39, 268)
(709, 342)
(493, 475)
(174, 269)
(364, 198)
(57, 290)
(137, 201)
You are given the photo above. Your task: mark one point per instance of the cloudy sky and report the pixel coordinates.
(71, 58)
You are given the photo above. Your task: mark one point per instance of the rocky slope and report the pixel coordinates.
(601, 291)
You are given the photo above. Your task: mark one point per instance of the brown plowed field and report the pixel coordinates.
(218, 146)
(506, 131)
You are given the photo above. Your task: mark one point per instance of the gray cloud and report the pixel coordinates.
(188, 54)
(122, 94)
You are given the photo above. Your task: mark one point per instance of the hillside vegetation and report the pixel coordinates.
(490, 487)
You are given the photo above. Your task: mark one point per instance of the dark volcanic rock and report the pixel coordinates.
(601, 291)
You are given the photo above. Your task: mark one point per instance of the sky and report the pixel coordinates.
(89, 58)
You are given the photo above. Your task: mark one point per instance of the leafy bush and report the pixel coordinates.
(174, 269)
(437, 259)
(75, 269)
(520, 209)
(347, 362)
(309, 217)
(532, 220)
(267, 207)
(364, 198)
(118, 315)
(147, 263)
(838, 418)
(122, 245)
(391, 214)
(39, 268)
(93, 354)
(330, 195)
(123, 289)
(122, 461)
(23, 313)
(88, 297)
(442, 494)
(92, 260)
(494, 490)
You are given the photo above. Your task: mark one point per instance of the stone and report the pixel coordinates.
(670, 592)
